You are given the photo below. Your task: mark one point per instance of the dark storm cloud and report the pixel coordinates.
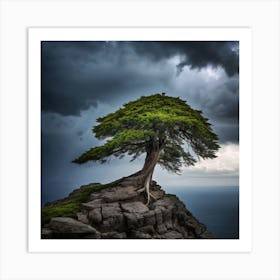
(76, 75)
(227, 133)
(222, 103)
(61, 77)
(196, 54)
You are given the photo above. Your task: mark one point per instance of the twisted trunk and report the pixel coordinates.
(148, 170)
(144, 176)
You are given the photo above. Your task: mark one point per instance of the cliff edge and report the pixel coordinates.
(119, 211)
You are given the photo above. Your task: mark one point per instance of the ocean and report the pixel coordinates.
(216, 207)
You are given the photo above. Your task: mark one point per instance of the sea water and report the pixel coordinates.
(216, 207)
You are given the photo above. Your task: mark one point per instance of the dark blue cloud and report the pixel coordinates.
(76, 75)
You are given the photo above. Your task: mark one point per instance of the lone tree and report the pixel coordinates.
(165, 128)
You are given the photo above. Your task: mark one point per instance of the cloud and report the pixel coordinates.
(221, 171)
(78, 75)
(227, 161)
(196, 54)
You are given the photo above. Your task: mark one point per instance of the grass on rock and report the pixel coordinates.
(69, 206)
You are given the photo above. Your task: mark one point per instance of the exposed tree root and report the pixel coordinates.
(144, 176)
(150, 194)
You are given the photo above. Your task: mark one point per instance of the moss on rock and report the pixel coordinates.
(69, 206)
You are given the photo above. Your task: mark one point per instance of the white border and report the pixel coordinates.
(36, 35)
(263, 16)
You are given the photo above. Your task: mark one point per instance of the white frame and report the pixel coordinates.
(262, 16)
(243, 35)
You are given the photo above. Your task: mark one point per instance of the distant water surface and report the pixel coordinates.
(216, 207)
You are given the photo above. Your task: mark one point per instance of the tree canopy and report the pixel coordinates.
(164, 128)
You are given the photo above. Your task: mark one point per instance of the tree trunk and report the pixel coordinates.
(144, 176)
(148, 170)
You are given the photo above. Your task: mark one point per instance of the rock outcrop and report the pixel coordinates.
(120, 212)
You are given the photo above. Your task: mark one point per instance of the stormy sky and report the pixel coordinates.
(83, 80)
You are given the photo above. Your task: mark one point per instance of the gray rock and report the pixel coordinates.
(134, 207)
(168, 224)
(82, 217)
(92, 204)
(139, 235)
(167, 217)
(191, 223)
(95, 216)
(92, 236)
(113, 223)
(199, 229)
(95, 195)
(127, 183)
(182, 217)
(185, 234)
(158, 215)
(166, 201)
(177, 226)
(110, 209)
(206, 235)
(70, 226)
(147, 229)
(161, 229)
(157, 194)
(120, 193)
(172, 235)
(131, 220)
(114, 235)
(150, 218)
(134, 220)
(46, 233)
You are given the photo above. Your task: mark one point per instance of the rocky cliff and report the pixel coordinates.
(119, 211)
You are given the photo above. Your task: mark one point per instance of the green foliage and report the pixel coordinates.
(69, 206)
(155, 122)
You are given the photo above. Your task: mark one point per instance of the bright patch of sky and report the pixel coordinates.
(227, 160)
(221, 171)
